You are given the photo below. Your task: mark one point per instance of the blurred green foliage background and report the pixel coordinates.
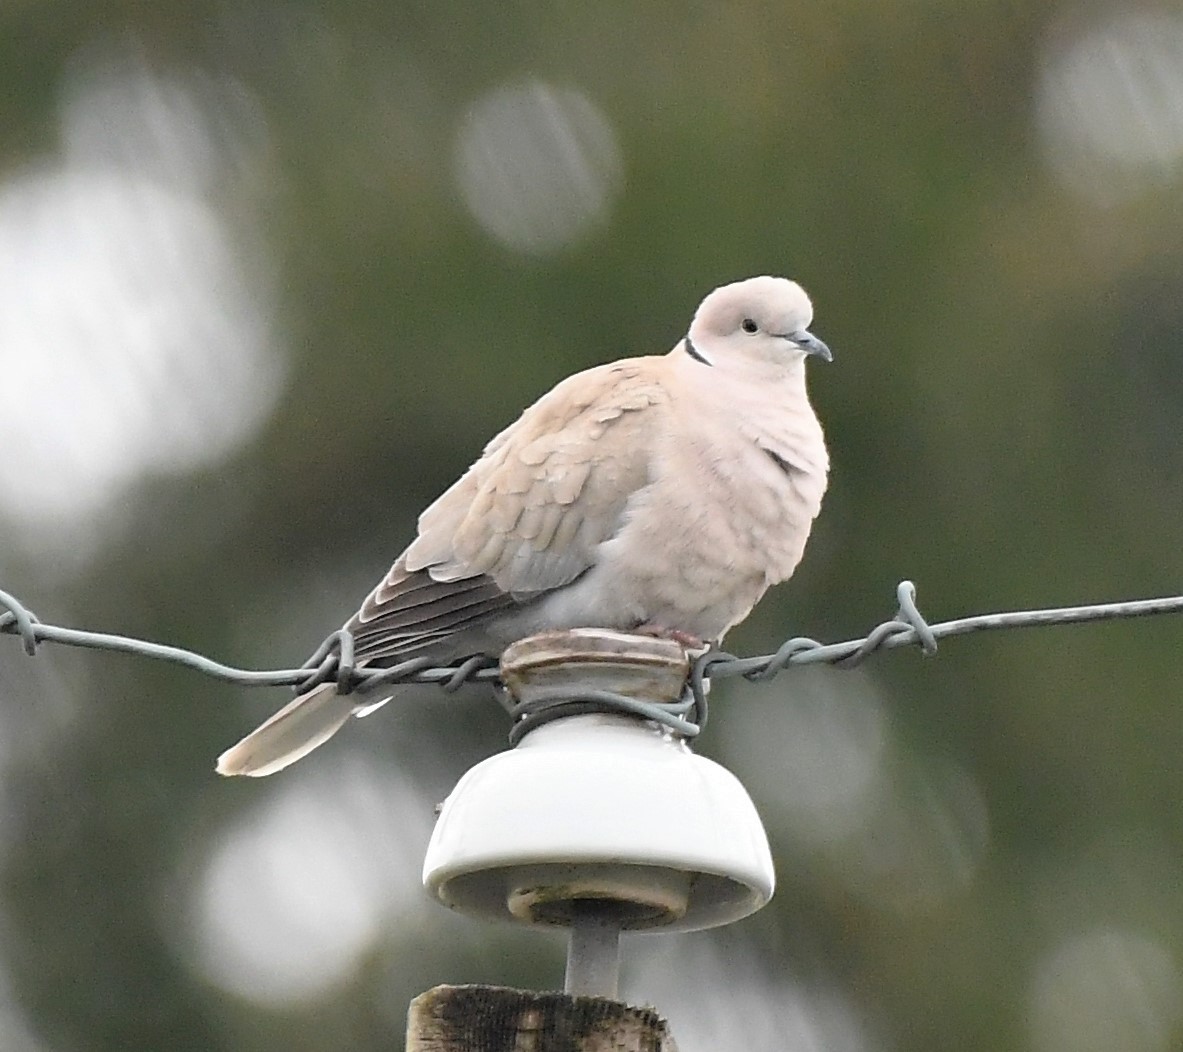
(271, 274)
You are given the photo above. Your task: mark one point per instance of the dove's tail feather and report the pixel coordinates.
(293, 732)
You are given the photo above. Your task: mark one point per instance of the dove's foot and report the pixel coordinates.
(683, 639)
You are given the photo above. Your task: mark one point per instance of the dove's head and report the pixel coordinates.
(761, 322)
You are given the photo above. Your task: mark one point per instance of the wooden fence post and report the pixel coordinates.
(499, 1019)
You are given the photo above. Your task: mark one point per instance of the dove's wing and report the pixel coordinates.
(527, 517)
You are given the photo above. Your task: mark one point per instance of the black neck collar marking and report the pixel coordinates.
(693, 351)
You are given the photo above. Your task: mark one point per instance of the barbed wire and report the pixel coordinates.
(333, 661)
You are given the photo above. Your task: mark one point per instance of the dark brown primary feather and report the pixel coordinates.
(411, 611)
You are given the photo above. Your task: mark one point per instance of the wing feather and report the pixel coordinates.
(526, 518)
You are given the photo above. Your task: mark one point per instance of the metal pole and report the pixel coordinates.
(593, 953)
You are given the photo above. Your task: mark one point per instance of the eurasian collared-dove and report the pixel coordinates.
(664, 493)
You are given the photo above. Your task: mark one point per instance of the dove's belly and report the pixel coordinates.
(696, 562)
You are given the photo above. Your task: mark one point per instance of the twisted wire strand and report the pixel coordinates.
(547, 705)
(334, 661)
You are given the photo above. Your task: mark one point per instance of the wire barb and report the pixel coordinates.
(19, 621)
(334, 660)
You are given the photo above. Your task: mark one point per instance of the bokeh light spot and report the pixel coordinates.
(1110, 106)
(1107, 990)
(537, 165)
(136, 339)
(294, 895)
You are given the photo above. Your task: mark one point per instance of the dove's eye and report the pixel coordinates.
(749, 326)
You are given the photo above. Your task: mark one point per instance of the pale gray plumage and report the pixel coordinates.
(667, 491)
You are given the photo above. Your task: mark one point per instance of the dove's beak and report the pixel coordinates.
(810, 344)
